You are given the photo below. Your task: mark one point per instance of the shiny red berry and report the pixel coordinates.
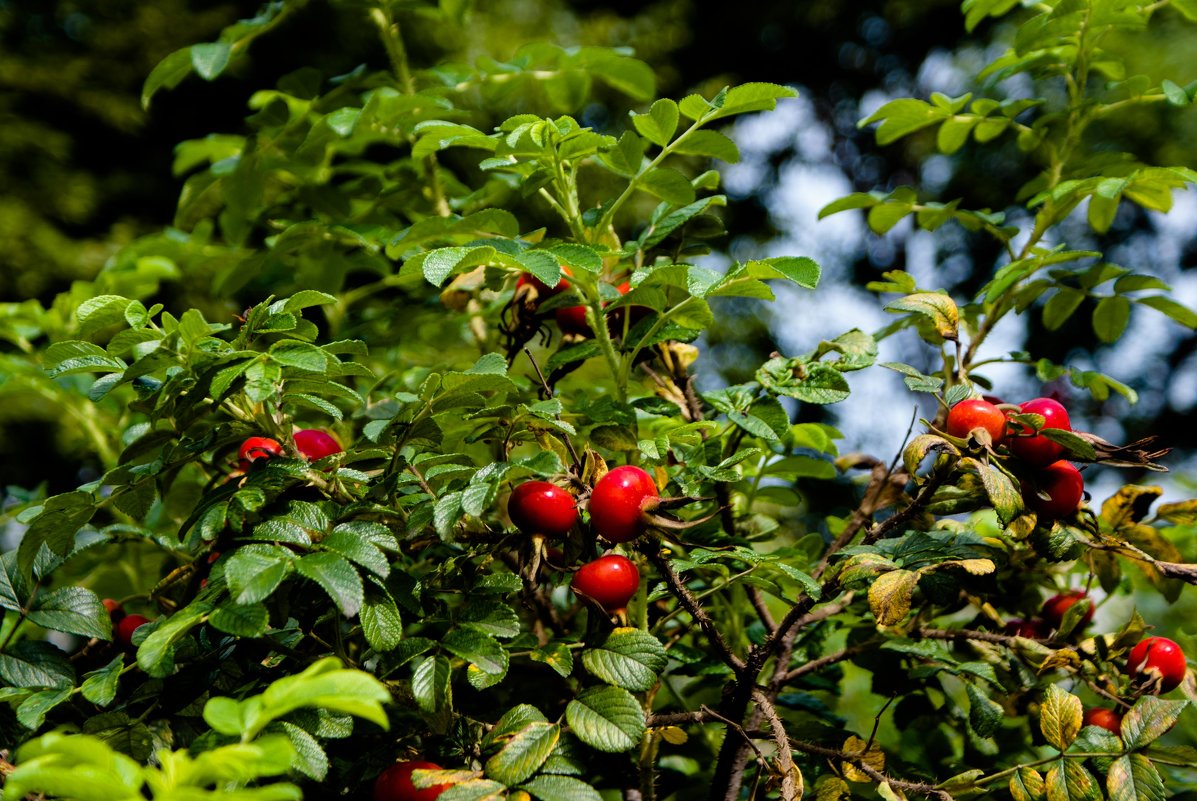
(316, 444)
(619, 501)
(257, 448)
(127, 625)
(572, 320)
(1108, 719)
(1038, 449)
(395, 784)
(1055, 607)
(976, 413)
(1158, 663)
(538, 507)
(610, 581)
(1063, 485)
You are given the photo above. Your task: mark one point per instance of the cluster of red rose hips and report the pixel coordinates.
(1053, 488)
(1155, 665)
(312, 444)
(619, 505)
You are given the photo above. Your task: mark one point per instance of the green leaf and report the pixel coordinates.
(557, 656)
(478, 649)
(490, 617)
(659, 124)
(299, 355)
(255, 572)
(560, 788)
(984, 714)
(902, 117)
(524, 752)
(431, 684)
(669, 185)
(324, 684)
(73, 610)
(1149, 719)
(1110, 318)
(1134, 778)
(749, 97)
(1060, 717)
(155, 655)
(1068, 780)
(76, 766)
(474, 790)
(36, 664)
(381, 621)
(710, 144)
(167, 74)
(338, 578)
(210, 59)
(607, 719)
(31, 713)
(628, 658)
(800, 270)
(1060, 306)
(241, 620)
(99, 686)
(310, 758)
(1177, 311)
(1026, 785)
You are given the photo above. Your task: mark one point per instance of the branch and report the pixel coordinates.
(652, 550)
(791, 790)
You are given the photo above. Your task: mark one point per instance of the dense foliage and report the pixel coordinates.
(425, 474)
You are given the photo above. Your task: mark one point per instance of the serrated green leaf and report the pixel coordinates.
(524, 752)
(607, 719)
(336, 576)
(628, 658)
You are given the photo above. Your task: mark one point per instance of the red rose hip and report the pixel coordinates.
(1055, 607)
(315, 444)
(619, 501)
(395, 784)
(1108, 719)
(610, 581)
(976, 413)
(1038, 449)
(127, 625)
(256, 449)
(1063, 485)
(1033, 629)
(1158, 664)
(538, 507)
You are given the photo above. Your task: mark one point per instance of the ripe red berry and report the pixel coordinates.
(1038, 449)
(1033, 629)
(1063, 485)
(1055, 607)
(316, 444)
(538, 507)
(1108, 719)
(977, 413)
(127, 625)
(618, 503)
(257, 448)
(1158, 664)
(395, 784)
(610, 581)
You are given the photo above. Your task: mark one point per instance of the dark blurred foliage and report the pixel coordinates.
(84, 170)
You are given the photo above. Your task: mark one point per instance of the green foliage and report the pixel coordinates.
(463, 298)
